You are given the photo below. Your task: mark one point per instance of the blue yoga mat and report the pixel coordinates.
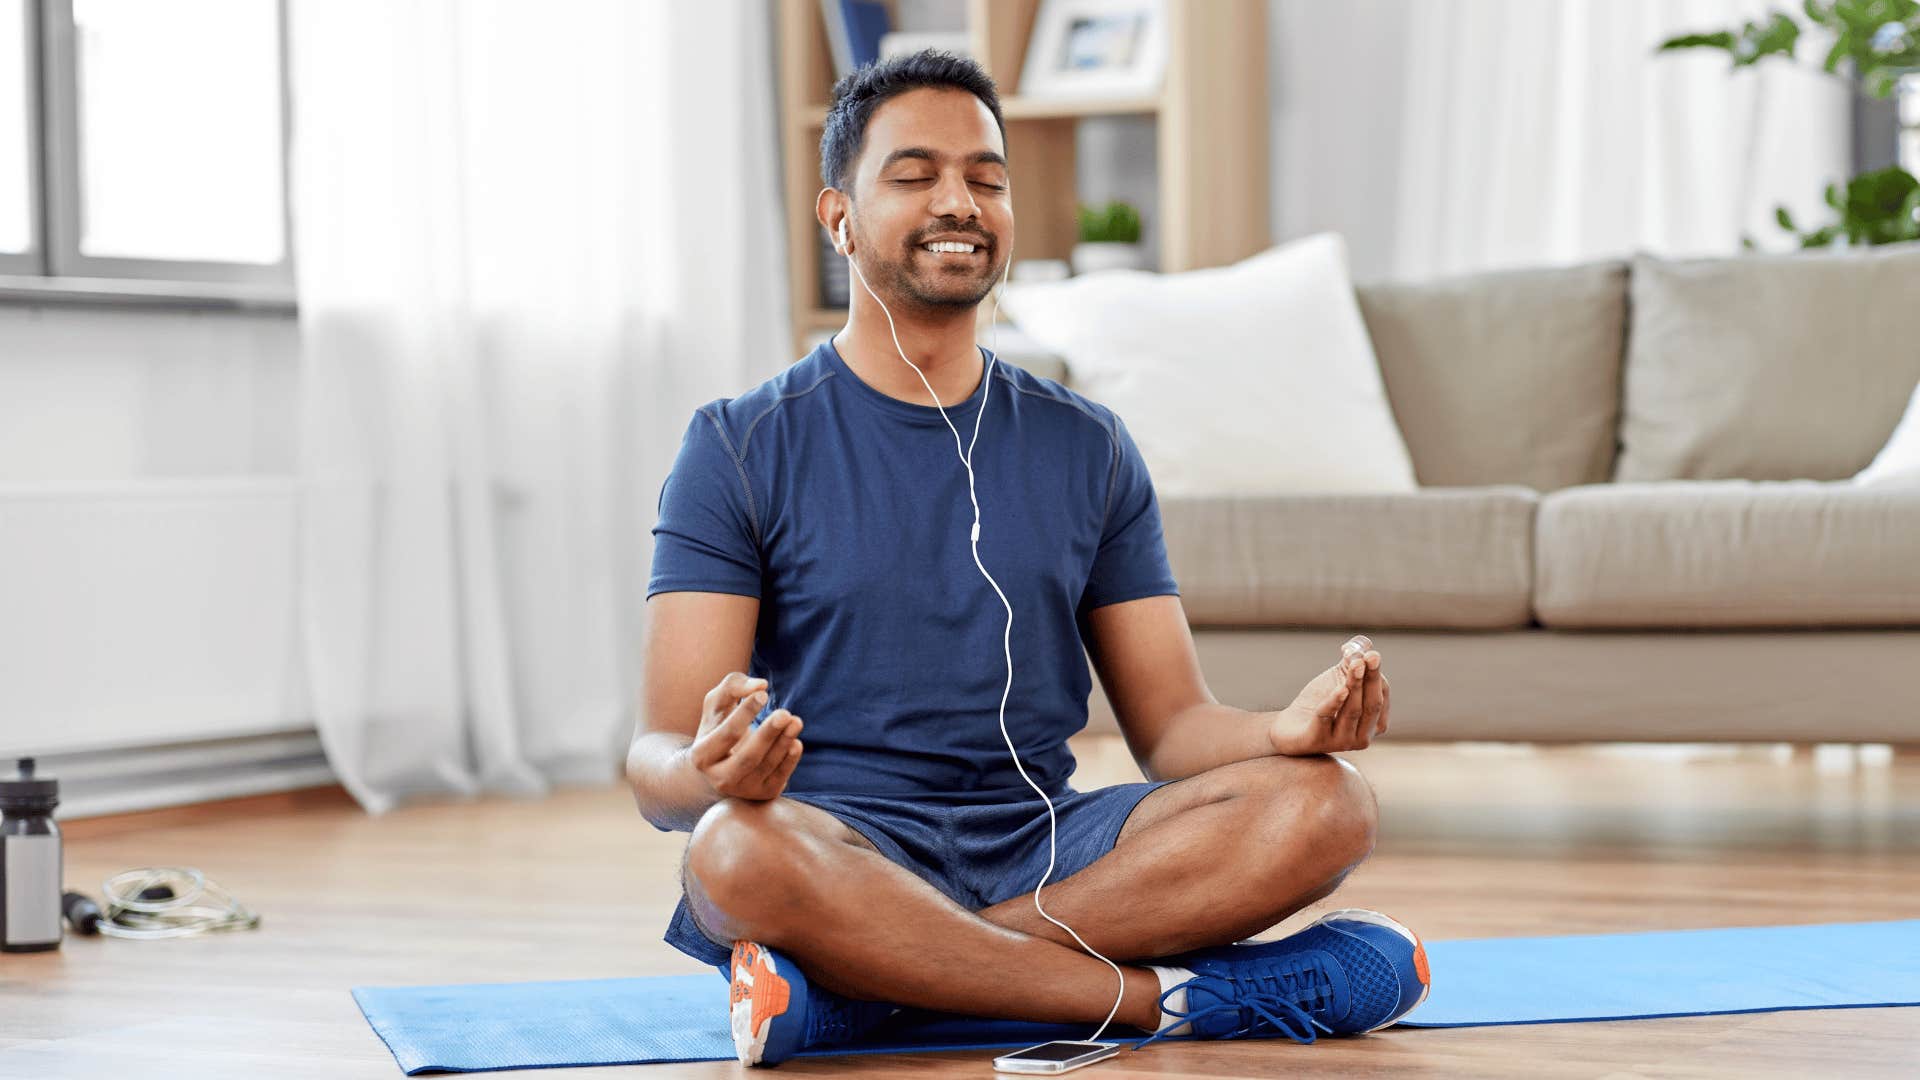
(475, 1027)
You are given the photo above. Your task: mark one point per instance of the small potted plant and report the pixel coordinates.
(1109, 239)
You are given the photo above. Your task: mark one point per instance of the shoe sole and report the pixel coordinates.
(758, 996)
(1420, 967)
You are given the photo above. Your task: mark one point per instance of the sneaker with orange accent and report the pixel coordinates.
(1349, 972)
(775, 1013)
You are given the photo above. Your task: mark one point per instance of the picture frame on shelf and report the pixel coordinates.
(1096, 49)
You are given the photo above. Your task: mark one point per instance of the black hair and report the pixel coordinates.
(859, 93)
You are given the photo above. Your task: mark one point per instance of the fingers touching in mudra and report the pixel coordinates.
(738, 759)
(1342, 708)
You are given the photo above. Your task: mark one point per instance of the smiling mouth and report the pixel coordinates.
(952, 249)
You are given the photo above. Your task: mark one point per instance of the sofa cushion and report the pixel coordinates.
(1728, 553)
(1768, 367)
(1511, 377)
(1254, 378)
(1557, 686)
(1450, 557)
(1898, 462)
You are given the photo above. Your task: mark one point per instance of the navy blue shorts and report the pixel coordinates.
(978, 848)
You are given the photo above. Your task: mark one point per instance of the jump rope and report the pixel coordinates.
(966, 459)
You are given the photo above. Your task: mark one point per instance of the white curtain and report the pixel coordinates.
(531, 239)
(1551, 132)
(1446, 136)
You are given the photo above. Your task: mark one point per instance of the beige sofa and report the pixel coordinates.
(1634, 524)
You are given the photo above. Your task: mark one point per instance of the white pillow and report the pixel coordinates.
(1898, 462)
(1254, 378)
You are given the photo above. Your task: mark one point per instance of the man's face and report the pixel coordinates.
(933, 167)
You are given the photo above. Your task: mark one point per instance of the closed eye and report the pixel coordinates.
(929, 180)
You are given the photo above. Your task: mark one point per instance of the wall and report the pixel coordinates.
(1355, 195)
(146, 532)
(1330, 172)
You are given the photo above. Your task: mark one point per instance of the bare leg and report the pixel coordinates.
(1211, 860)
(1208, 861)
(785, 874)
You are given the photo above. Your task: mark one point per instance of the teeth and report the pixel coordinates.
(949, 245)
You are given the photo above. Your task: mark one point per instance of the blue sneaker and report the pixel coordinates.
(775, 1013)
(1351, 971)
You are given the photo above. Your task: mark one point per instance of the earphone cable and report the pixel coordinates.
(193, 903)
(966, 459)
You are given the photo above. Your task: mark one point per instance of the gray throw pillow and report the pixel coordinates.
(1768, 367)
(1505, 377)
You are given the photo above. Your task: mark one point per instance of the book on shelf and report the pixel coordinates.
(854, 30)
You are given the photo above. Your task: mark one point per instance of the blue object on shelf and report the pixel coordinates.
(854, 29)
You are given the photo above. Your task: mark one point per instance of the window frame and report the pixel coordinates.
(32, 260)
(56, 196)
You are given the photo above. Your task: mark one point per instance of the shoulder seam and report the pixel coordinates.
(1113, 474)
(740, 468)
(739, 457)
(747, 439)
(1069, 402)
(1113, 440)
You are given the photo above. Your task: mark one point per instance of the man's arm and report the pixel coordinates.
(694, 639)
(1144, 654)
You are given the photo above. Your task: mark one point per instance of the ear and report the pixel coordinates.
(832, 208)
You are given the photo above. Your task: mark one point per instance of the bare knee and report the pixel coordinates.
(1328, 803)
(741, 855)
(1356, 808)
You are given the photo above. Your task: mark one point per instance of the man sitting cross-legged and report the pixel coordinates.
(821, 532)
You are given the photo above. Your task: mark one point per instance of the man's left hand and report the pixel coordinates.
(1343, 708)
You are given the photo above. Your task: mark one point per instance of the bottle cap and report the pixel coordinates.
(27, 793)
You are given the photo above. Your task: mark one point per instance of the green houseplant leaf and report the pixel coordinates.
(1114, 223)
(1880, 40)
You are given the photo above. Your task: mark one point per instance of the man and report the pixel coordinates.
(816, 531)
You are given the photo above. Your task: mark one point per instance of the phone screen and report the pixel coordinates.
(1058, 1051)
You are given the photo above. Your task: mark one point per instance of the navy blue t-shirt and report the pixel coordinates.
(846, 512)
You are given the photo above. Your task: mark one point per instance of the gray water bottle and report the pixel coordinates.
(30, 863)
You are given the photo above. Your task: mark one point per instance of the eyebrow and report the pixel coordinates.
(923, 154)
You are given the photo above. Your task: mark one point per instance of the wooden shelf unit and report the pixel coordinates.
(1211, 119)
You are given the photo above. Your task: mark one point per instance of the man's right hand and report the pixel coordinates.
(738, 760)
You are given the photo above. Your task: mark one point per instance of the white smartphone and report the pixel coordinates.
(1054, 1057)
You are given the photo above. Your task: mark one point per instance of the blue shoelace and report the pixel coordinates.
(1269, 997)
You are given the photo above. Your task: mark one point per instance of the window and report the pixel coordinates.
(1908, 93)
(143, 139)
(17, 196)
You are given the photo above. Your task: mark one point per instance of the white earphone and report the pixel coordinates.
(966, 459)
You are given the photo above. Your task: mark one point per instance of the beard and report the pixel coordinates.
(918, 279)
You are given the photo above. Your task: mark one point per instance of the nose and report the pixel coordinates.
(952, 199)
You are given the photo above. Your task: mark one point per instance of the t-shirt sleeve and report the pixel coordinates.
(707, 537)
(1132, 559)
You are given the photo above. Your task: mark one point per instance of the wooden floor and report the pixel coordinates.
(1476, 841)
